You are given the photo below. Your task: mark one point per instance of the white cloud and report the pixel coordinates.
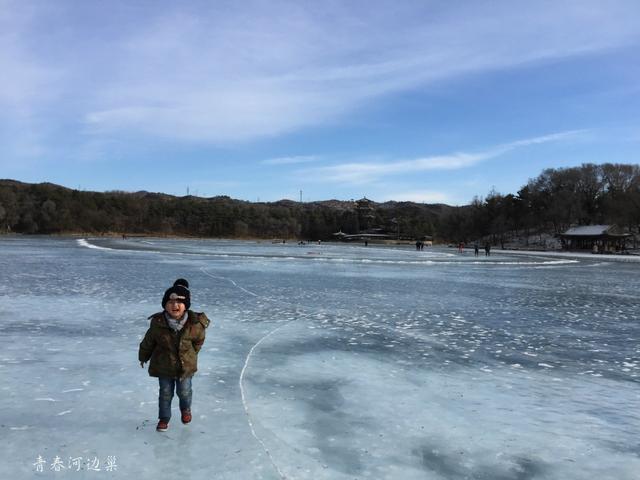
(363, 173)
(235, 76)
(236, 72)
(290, 160)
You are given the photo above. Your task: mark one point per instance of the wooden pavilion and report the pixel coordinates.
(595, 238)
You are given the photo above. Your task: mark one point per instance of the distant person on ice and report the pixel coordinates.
(172, 343)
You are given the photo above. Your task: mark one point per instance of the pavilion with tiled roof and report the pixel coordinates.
(605, 238)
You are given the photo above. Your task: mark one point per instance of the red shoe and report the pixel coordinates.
(186, 416)
(163, 425)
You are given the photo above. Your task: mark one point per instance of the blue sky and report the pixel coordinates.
(429, 101)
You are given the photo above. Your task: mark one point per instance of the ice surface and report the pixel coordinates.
(322, 362)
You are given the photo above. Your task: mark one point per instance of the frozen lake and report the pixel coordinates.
(322, 362)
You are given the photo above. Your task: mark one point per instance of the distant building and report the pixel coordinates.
(361, 236)
(367, 230)
(366, 213)
(595, 238)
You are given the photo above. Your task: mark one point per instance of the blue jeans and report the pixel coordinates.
(167, 386)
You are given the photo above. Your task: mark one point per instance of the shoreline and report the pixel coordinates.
(629, 257)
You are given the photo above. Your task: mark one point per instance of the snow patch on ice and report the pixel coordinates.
(83, 242)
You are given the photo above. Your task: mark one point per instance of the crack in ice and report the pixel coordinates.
(245, 404)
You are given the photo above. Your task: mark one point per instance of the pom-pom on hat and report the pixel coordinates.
(177, 292)
(181, 281)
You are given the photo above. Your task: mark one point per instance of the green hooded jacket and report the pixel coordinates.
(173, 354)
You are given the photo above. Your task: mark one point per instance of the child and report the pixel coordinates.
(172, 343)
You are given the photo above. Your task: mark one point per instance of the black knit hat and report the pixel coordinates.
(178, 292)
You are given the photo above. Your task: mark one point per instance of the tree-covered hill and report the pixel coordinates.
(555, 200)
(551, 203)
(47, 208)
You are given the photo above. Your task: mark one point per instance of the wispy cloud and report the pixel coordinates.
(361, 173)
(25, 77)
(240, 72)
(290, 160)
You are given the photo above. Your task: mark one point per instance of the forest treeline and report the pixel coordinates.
(552, 202)
(47, 209)
(556, 200)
